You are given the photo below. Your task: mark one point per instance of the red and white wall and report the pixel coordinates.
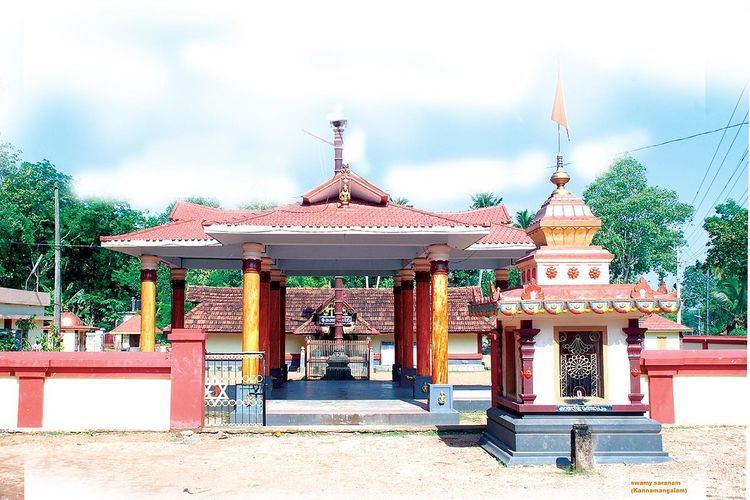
(70, 391)
(695, 387)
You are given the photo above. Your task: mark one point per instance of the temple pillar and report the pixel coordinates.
(496, 343)
(265, 312)
(438, 255)
(251, 265)
(397, 328)
(634, 339)
(526, 339)
(178, 298)
(282, 326)
(274, 324)
(407, 319)
(149, 264)
(424, 312)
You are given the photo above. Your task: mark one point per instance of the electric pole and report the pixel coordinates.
(708, 316)
(58, 281)
(679, 285)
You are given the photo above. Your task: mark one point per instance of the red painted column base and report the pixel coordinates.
(661, 396)
(30, 398)
(188, 378)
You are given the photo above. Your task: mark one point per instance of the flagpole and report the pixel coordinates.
(559, 150)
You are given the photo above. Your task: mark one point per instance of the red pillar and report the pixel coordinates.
(526, 336)
(178, 298)
(188, 378)
(634, 339)
(264, 326)
(407, 319)
(661, 395)
(274, 324)
(397, 319)
(30, 397)
(282, 321)
(424, 316)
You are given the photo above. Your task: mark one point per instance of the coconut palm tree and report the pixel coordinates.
(524, 218)
(482, 200)
(731, 294)
(400, 201)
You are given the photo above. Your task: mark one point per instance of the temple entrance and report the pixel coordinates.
(318, 352)
(235, 389)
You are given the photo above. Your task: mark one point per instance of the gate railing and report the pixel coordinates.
(235, 391)
(318, 351)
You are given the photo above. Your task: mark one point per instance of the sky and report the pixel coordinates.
(152, 101)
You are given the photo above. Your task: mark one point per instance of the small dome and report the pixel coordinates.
(70, 321)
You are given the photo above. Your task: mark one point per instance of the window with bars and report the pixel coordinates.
(581, 364)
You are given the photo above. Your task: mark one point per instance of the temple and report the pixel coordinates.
(565, 347)
(568, 344)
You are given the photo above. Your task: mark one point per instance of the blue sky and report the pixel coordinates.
(152, 102)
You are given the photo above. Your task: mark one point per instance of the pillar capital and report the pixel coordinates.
(501, 274)
(178, 274)
(282, 280)
(252, 251)
(422, 265)
(265, 264)
(149, 262)
(438, 252)
(275, 275)
(396, 282)
(406, 275)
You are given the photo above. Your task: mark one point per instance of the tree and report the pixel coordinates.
(524, 218)
(641, 224)
(727, 241)
(699, 289)
(258, 205)
(487, 199)
(400, 201)
(731, 294)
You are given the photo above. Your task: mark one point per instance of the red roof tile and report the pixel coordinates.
(220, 308)
(186, 230)
(130, 326)
(497, 214)
(185, 210)
(500, 234)
(659, 323)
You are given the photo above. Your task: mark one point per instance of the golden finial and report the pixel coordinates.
(344, 195)
(560, 177)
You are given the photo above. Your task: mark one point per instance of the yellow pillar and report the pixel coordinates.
(148, 302)
(251, 259)
(438, 255)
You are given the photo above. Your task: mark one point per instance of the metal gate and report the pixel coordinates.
(235, 391)
(317, 353)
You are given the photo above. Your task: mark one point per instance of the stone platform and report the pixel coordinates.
(341, 402)
(545, 439)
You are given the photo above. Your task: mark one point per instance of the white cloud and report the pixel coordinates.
(590, 158)
(446, 183)
(170, 170)
(354, 150)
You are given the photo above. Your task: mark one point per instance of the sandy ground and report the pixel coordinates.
(708, 460)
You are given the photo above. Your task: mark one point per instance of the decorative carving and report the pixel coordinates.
(662, 290)
(594, 273)
(579, 364)
(635, 372)
(441, 398)
(532, 291)
(642, 290)
(425, 387)
(526, 374)
(551, 272)
(573, 273)
(344, 195)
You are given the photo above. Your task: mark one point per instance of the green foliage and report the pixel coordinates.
(524, 218)
(727, 244)
(258, 205)
(486, 199)
(400, 201)
(641, 224)
(731, 294)
(698, 296)
(514, 277)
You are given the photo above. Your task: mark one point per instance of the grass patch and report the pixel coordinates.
(472, 417)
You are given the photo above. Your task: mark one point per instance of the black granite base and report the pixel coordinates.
(545, 439)
(338, 368)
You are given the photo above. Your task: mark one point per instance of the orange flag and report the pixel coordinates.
(558, 109)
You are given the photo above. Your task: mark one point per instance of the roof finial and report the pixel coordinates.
(560, 177)
(338, 124)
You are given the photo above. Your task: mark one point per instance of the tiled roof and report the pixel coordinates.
(501, 234)
(131, 326)
(220, 308)
(184, 230)
(356, 214)
(185, 210)
(659, 323)
(497, 214)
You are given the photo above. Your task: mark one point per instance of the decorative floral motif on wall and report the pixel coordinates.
(551, 272)
(594, 273)
(573, 273)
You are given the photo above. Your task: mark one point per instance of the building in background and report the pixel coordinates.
(662, 333)
(18, 305)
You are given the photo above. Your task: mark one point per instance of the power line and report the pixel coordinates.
(62, 245)
(718, 146)
(720, 166)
